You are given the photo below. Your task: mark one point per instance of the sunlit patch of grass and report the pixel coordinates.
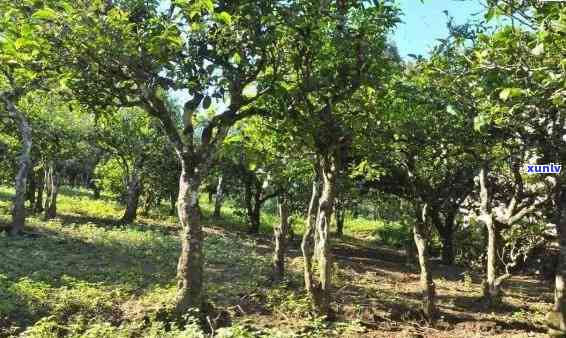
(77, 273)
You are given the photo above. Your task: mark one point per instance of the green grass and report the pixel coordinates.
(84, 270)
(84, 274)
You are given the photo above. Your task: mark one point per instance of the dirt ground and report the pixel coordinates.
(379, 291)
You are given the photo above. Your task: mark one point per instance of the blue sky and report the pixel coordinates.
(423, 23)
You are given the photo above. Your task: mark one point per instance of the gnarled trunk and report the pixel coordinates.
(52, 183)
(190, 290)
(319, 290)
(24, 165)
(281, 233)
(421, 233)
(219, 196)
(556, 319)
(491, 284)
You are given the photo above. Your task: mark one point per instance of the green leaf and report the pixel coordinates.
(23, 42)
(236, 58)
(538, 50)
(451, 110)
(224, 18)
(480, 122)
(507, 93)
(45, 13)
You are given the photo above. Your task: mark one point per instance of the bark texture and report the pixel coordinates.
(218, 197)
(38, 207)
(133, 197)
(446, 227)
(339, 215)
(24, 164)
(307, 243)
(253, 191)
(491, 284)
(190, 293)
(281, 235)
(52, 184)
(319, 289)
(556, 319)
(421, 233)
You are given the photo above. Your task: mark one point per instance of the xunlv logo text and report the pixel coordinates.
(544, 168)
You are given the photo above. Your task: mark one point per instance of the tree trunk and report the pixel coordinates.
(134, 192)
(149, 202)
(421, 232)
(173, 203)
(556, 319)
(255, 217)
(447, 254)
(281, 236)
(253, 197)
(24, 165)
(218, 197)
(95, 190)
(339, 215)
(31, 190)
(491, 285)
(491, 290)
(307, 243)
(446, 232)
(190, 290)
(52, 182)
(320, 290)
(410, 250)
(38, 207)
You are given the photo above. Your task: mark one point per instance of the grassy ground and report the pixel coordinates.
(85, 275)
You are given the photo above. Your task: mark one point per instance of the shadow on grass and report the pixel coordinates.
(70, 191)
(67, 219)
(5, 196)
(132, 260)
